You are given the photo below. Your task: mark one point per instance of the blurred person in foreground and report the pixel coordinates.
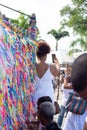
(46, 113)
(79, 82)
(34, 125)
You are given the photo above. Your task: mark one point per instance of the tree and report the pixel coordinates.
(75, 17)
(22, 21)
(58, 34)
(82, 43)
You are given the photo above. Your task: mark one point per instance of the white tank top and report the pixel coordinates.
(44, 86)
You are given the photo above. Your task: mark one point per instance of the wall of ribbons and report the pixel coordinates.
(17, 79)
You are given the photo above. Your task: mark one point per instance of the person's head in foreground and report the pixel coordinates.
(42, 50)
(46, 114)
(79, 75)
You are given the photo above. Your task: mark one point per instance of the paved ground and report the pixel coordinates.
(59, 101)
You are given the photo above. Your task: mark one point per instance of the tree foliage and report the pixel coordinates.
(75, 17)
(22, 21)
(73, 51)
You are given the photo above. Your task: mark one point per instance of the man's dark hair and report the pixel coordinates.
(79, 73)
(43, 99)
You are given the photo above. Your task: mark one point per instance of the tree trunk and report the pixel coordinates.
(57, 45)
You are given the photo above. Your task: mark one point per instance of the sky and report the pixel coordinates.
(47, 16)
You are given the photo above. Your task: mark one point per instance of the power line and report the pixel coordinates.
(15, 10)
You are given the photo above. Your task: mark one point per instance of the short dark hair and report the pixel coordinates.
(79, 73)
(43, 99)
(42, 49)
